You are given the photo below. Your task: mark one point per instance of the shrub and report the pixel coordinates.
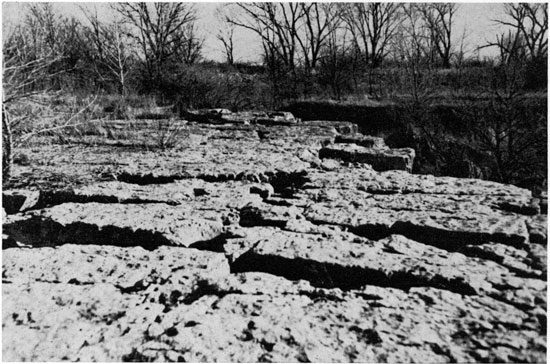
(170, 133)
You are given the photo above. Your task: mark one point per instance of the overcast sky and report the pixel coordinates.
(474, 18)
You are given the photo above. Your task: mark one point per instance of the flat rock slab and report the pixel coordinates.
(57, 322)
(346, 261)
(452, 204)
(366, 141)
(119, 266)
(379, 159)
(264, 318)
(516, 260)
(450, 224)
(391, 182)
(386, 326)
(440, 229)
(207, 151)
(61, 302)
(232, 194)
(147, 225)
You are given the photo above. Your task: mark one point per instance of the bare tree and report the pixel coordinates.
(337, 63)
(373, 25)
(28, 54)
(510, 45)
(226, 33)
(438, 18)
(118, 55)
(42, 25)
(292, 35)
(227, 40)
(510, 133)
(411, 48)
(20, 77)
(112, 49)
(45, 33)
(189, 48)
(35, 54)
(530, 22)
(160, 30)
(319, 22)
(276, 24)
(523, 49)
(296, 32)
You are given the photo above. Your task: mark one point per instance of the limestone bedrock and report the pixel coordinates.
(306, 242)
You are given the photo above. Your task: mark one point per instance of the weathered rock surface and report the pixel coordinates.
(233, 194)
(381, 159)
(441, 229)
(263, 214)
(14, 201)
(148, 225)
(444, 212)
(265, 318)
(119, 266)
(246, 243)
(374, 325)
(349, 262)
(537, 227)
(209, 150)
(366, 141)
(516, 260)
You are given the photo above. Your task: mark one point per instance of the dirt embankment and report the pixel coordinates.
(374, 120)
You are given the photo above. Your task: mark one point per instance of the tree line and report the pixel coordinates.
(143, 40)
(144, 44)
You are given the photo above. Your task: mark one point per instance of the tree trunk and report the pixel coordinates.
(7, 153)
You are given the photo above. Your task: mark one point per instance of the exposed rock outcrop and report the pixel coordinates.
(148, 225)
(381, 159)
(249, 243)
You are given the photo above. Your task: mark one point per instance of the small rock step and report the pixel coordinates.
(379, 159)
(366, 141)
(231, 194)
(148, 225)
(537, 227)
(441, 229)
(349, 262)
